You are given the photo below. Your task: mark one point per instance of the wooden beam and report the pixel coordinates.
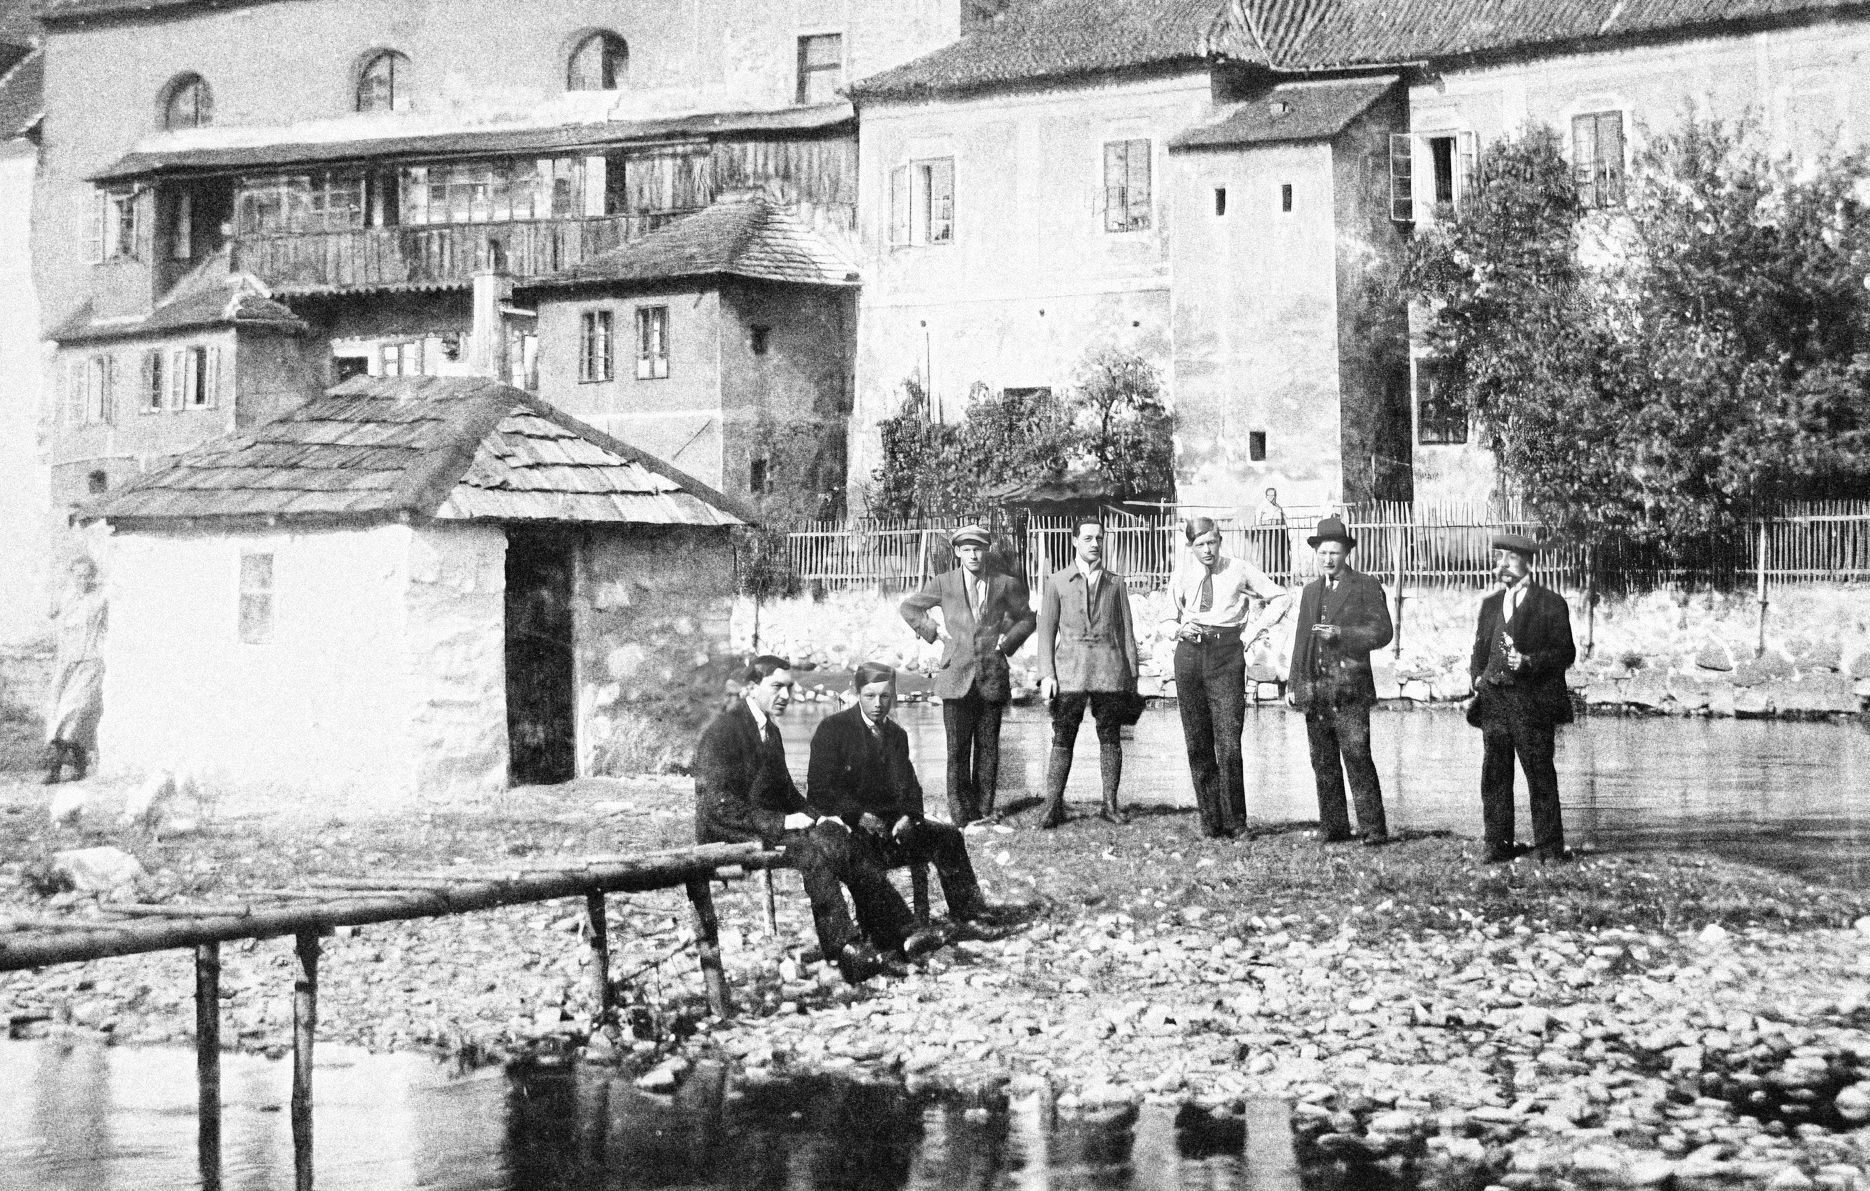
(208, 1063)
(600, 958)
(708, 944)
(769, 903)
(304, 1027)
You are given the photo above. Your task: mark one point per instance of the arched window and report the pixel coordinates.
(598, 62)
(382, 83)
(187, 103)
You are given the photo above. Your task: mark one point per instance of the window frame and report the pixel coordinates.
(121, 223)
(1402, 177)
(1122, 211)
(155, 381)
(652, 342)
(391, 89)
(922, 203)
(256, 597)
(1601, 183)
(1436, 425)
(597, 347)
(810, 73)
(202, 113)
(612, 70)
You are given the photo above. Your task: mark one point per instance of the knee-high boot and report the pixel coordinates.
(78, 757)
(1057, 770)
(54, 762)
(1110, 762)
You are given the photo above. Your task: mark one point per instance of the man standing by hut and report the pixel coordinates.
(1208, 604)
(1342, 618)
(743, 791)
(1087, 658)
(1522, 648)
(75, 703)
(985, 617)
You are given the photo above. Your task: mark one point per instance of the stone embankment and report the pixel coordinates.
(1665, 652)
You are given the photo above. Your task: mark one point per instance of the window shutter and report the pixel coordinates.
(182, 242)
(74, 393)
(899, 205)
(1467, 165)
(99, 219)
(142, 223)
(1111, 200)
(178, 365)
(1402, 177)
(941, 201)
(1138, 184)
(1584, 158)
(213, 394)
(146, 381)
(107, 400)
(1610, 155)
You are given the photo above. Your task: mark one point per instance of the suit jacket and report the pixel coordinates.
(1337, 673)
(1541, 630)
(1006, 613)
(852, 772)
(743, 790)
(1087, 640)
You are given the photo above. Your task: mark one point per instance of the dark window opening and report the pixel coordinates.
(1220, 200)
(759, 339)
(189, 103)
(345, 367)
(1441, 160)
(1256, 446)
(1441, 418)
(381, 84)
(756, 476)
(1597, 158)
(1126, 186)
(541, 704)
(599, 63)
(1285, 196)
(821, 67)
(96, 483)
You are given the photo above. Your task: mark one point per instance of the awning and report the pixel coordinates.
(296, 148)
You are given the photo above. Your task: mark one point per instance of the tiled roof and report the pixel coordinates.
(371, 138)
(1321, 34)
(52, 12)
(1035, 40)
(22, 94)
(750, 236)
(210, 296)
(1303, 111)
(376, 449)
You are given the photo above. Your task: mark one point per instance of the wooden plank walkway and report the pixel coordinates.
(33, 941)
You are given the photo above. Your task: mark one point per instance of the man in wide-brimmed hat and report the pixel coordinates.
(1522, 648)
(1343, 616)
(985, 617)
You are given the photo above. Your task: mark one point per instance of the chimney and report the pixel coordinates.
(493, 287)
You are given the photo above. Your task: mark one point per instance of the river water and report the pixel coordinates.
(1789, 795)
(85, 1117)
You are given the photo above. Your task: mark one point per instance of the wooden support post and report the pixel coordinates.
(1759, 645)
(600, 958)
(208, 1063)
(708, 944)
(304, 1025)
(1402, 548)
(919, 891)
(1590, 601)
(769, 903)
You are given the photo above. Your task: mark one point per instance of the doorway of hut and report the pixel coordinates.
(542, 739)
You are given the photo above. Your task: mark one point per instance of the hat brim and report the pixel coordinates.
(970, 539)
(1347, 539)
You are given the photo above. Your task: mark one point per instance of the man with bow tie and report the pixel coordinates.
(1209, 604)
(985, 617)
(861, 773)
(1522, 648)
(1343, 617)
(743, 791)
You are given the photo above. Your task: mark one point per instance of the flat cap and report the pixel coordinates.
(1518, 543)
(970, 535)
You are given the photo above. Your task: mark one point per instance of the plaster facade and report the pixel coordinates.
(25, 535)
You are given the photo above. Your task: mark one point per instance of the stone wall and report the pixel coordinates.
(454, 659)
(651, 611)
(1667, 652)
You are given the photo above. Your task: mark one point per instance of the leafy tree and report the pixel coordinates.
(1125, 429)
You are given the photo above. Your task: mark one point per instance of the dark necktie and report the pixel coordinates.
(1204, 599)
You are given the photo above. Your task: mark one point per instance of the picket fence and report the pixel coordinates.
(1422, 545)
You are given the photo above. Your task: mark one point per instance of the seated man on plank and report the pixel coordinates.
(743, 791)
(860, 772)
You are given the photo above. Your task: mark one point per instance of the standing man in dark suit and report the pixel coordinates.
(743, 791)
(985, 618)
(1522, 648)
(1087, 658)
(861, 772)
(1343, 616)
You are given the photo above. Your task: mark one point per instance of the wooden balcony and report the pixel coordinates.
(432, 257)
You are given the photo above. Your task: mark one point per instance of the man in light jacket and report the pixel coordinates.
(1087, 658)
(985, 617)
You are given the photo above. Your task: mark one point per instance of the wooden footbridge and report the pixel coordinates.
(327, 903)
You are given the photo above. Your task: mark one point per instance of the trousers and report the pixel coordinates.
(1339, 737)
(825, 857)
(1534, 741)
(973, 727)
(1210, 690)
(936, 844)
(1068, 713)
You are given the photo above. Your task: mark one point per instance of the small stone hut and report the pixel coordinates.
(411, 588)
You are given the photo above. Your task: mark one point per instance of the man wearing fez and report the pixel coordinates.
(1208, 605)
(861, 773)
(1087, 658)
(743, 791)
(1343, 616)
(1522, 648)
(985, 617)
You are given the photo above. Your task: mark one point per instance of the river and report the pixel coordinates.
(1784, 794)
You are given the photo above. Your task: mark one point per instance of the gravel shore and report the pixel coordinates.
(1623, 1020)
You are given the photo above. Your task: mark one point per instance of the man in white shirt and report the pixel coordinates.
(1210, 603)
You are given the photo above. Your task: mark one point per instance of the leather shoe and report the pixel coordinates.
(990, 914)
(1558, 855)
(977, 932)
(1118, 818)
(921, 942)
(858, 963)
(1374, 840)
(1505, 854)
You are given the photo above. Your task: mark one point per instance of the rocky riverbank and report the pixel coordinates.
(1621, 1020)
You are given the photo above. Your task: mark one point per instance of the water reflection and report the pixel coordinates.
(93, 1118)
(1779, 793)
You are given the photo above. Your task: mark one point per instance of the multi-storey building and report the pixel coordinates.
(239, 203)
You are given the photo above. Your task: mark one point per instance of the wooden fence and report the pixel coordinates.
(1419, 545)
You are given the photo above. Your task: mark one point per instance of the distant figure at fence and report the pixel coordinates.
(75, 703)
(743, 791)
(861, 772)
(1276, 546)
(1087, 658)
(985, 617)
(1522, 648)
(1343, 616)
(1209, 602)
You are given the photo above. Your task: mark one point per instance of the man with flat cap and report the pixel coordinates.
(1343, 616)
(985, 617)
(1522, 648)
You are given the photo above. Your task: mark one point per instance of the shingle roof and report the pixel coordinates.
(1303, 111)
(1038, 40)
(210, 296)
(378, 449)
(747, 236)
(352, 138)
(1321, 34)
(22, 94)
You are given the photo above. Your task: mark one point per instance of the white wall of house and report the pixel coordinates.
(454, 657)
(25, 530)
